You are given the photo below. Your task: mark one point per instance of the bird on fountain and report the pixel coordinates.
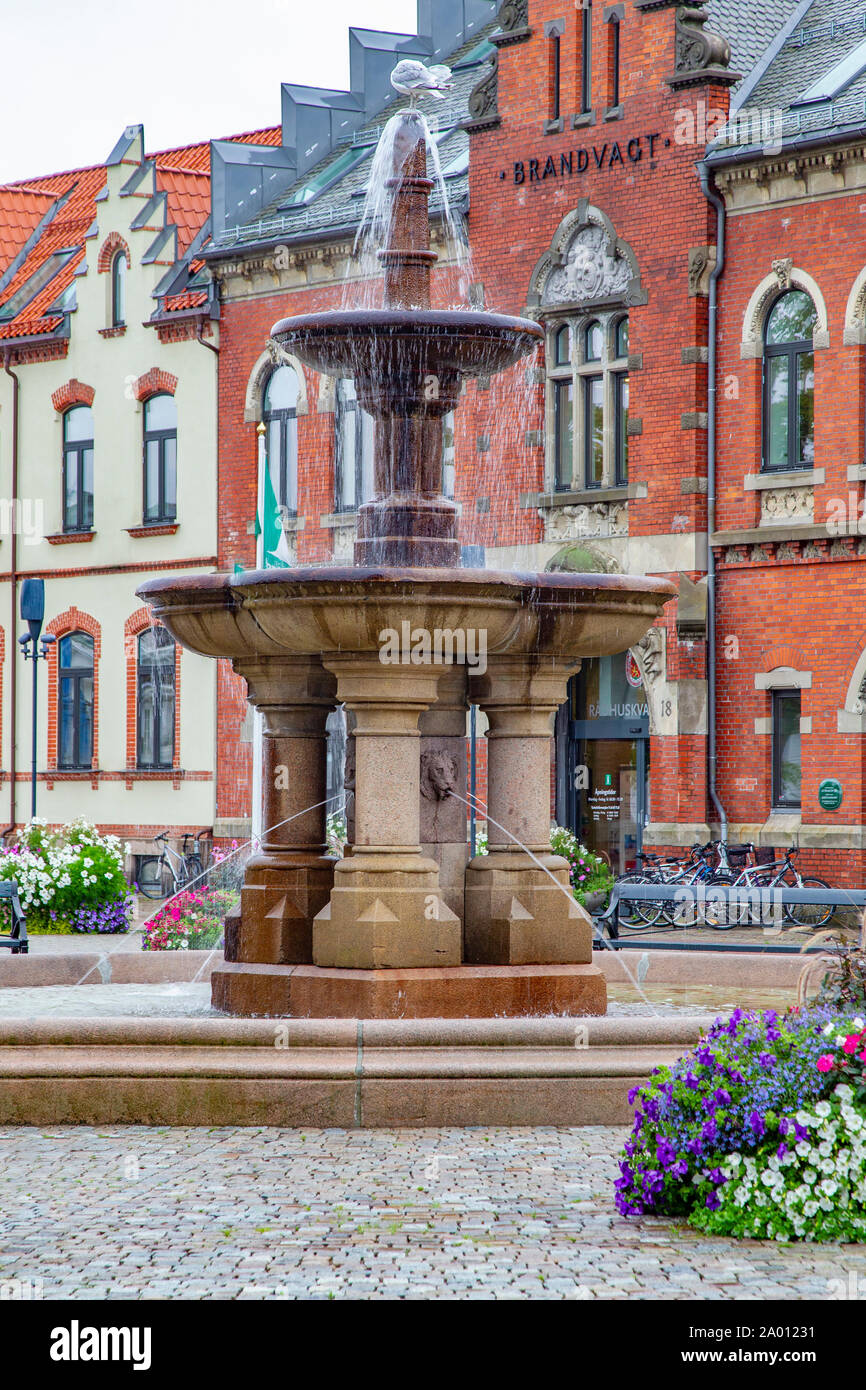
(413, 79)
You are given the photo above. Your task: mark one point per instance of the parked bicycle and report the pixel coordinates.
(162, 875)
(760, 881)
(718, 864)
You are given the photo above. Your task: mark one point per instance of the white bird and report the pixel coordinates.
(412, 78)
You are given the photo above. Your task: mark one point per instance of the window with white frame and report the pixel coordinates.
(587, 374)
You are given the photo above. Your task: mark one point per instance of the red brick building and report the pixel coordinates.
(676, 194)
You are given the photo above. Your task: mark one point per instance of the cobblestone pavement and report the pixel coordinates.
(447, 1213)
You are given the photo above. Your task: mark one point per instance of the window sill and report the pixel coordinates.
(614, 113)
(70, 537)
(155, 528)
(581, 119)
(756, 535)
(632, 492)
(555, 126)
(116, 332)
(786, 477)
(337, 519)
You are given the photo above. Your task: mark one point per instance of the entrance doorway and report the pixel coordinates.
(602, 759)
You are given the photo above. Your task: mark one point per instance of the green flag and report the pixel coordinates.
(275, 549)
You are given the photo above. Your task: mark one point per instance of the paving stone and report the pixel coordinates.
(513, 1214)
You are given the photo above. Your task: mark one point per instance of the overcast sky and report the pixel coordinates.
(76, 72)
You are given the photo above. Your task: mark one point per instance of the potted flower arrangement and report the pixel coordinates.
(69, 879)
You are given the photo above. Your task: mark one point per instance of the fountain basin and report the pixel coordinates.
(393, 353)
(314, 611)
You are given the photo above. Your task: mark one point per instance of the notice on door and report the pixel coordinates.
(606, 801)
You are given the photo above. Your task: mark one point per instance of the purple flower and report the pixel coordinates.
(713, 1201)
(756, 1125)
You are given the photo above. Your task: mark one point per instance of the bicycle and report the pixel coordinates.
(162, 875)
(763, 878)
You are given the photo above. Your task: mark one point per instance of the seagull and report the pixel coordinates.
(412, 78)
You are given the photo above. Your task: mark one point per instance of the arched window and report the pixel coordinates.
(789, 383)
(354, 450)
(156, 697)
(118, 290)
(75, 701)
(160, 459)
(78, 469)
(281, 420)
(589, 400)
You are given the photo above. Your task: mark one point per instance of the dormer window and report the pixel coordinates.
(118, 290)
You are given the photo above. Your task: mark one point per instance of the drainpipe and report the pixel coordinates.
(712, 400)
(13, 589)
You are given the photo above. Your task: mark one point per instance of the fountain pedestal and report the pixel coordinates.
(519, 907)
(386, 910)
(289, 881)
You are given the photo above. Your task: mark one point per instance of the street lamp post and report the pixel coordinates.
(33, 613)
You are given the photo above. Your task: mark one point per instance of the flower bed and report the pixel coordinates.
(69, 880)
(192, 921)
(761, 1131)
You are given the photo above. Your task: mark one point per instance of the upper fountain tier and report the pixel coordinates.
(408, 362)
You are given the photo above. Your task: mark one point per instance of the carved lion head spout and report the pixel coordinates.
(439, 773)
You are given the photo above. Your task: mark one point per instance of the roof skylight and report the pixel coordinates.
(840, 76)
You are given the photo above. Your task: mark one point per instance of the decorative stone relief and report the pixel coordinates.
(811, 551)
(699, 54)
(786, 553)
(649, 655)
(513, 16)
(702, 259)
(839, 551)
(782, 270)
(484, 98)
(860, 702)
(591, 269)
(344, 541)
(787, 504)
(579, 522)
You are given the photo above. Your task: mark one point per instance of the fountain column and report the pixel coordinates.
(386, 910)
(519, 906)
(290, 879)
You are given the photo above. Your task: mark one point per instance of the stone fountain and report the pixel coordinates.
(404, 925)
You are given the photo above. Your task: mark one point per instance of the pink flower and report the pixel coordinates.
(851, 1043)
(825, 1063)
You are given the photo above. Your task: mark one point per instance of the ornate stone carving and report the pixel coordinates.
(700, 55)
(811, 551)
(591, 269)
(701, 262)
(439, 775)
(513, 16)
(786, 554)
(787, 504)
(344, 541)
(782, 269)
(649, 655)
(860, 702)
(483, 99)
(582, 522)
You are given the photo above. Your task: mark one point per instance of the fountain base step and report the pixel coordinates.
(465, 991)
(331, 1074)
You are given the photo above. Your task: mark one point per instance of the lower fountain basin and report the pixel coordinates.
(312, 611)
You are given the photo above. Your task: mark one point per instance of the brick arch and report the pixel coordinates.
(134, 626)
(73, 620)
(777, 657)
(75, 392)
(113, 243)
(154, 383)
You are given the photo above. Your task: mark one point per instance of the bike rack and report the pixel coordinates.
(725, 892)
